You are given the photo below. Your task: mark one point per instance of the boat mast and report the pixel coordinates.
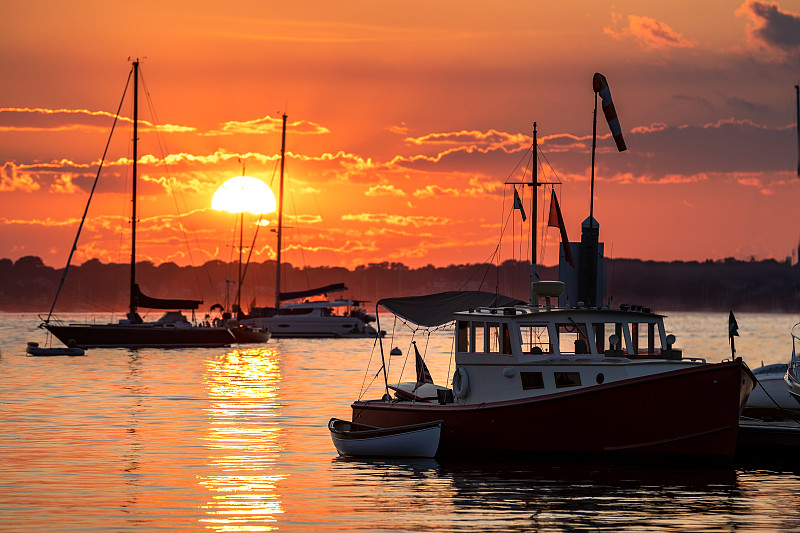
(280, 219)
(133, 298)
(797, 97)
(590, 237)
(534, 276)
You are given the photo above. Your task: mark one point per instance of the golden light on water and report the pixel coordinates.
(243, 441)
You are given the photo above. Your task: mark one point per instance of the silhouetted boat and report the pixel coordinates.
(35, 350)
(305, 315)
(172, 330)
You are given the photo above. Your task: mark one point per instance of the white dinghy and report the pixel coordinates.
(360, 440)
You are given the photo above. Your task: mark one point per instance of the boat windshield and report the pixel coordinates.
(637, 335)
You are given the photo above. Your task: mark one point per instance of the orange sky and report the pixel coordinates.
(405, 120)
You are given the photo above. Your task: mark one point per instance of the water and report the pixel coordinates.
(236, 440)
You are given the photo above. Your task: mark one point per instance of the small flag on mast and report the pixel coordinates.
(423, 376)
(600, 86)
(733, 331)
(518, 205)
(557, 221)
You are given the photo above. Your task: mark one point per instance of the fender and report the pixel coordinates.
(461, 383)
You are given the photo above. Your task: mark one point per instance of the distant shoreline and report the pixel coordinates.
(29, 286)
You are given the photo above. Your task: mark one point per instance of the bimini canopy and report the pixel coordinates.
(433, 310)
(335, 287)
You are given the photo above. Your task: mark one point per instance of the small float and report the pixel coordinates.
(35, 350)
(360, 440)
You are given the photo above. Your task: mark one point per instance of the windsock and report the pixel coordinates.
(600, 86)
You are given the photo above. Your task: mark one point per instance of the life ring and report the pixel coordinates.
(461, 383)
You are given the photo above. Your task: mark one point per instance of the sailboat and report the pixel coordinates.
(308, 313)
(542, 380)
(173, 329)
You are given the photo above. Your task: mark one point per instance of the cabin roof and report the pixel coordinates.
(543, 314)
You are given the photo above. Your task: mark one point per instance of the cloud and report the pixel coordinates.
(38, 119)
(267, 125)
(384, 190)
(648, 33)
(64, 185)
(400, 129)
(11, 180)
(770, 27)
(397, 220)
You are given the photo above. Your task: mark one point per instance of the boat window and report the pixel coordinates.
(535, 339)
(572, 338)
(531, 380)
(478, 337)
(494, 337)
(506, 340)
(605, 333)
(643, 338)
(599, 336)
(290, 311)
(567, 379)
(463, 336)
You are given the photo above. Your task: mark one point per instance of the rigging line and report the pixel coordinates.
(91, 194)
(366, 373)
(495, 254)
(408, 352)
(299, 239)
(162, 146)
(252, 247)
(509, 218)
(519, 163)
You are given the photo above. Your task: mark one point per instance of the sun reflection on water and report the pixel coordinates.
(243, 441)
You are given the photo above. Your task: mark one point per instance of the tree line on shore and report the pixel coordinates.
(28, 285)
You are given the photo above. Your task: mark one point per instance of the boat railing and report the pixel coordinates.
(795, 331)
(46, 319)
(695, 359)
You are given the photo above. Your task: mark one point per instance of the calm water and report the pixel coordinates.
(236, 440)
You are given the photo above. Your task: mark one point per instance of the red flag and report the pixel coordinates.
(557, 221)
(600, 86)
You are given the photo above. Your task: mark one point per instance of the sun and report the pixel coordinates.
(244, 194)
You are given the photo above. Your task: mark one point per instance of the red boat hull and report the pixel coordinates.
(688, 412)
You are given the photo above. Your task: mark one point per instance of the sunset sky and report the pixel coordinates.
(405, 119)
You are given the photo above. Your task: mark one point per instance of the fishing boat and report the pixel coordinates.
(359, 440)
(307, 313)
(173, 329)
(544, 379)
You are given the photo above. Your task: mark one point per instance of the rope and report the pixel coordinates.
(89, 201)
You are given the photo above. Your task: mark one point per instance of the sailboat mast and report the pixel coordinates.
(133, 297)
(239, 284)
(797, 97)
(594, 149)
(280, 219)
(534, 275)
